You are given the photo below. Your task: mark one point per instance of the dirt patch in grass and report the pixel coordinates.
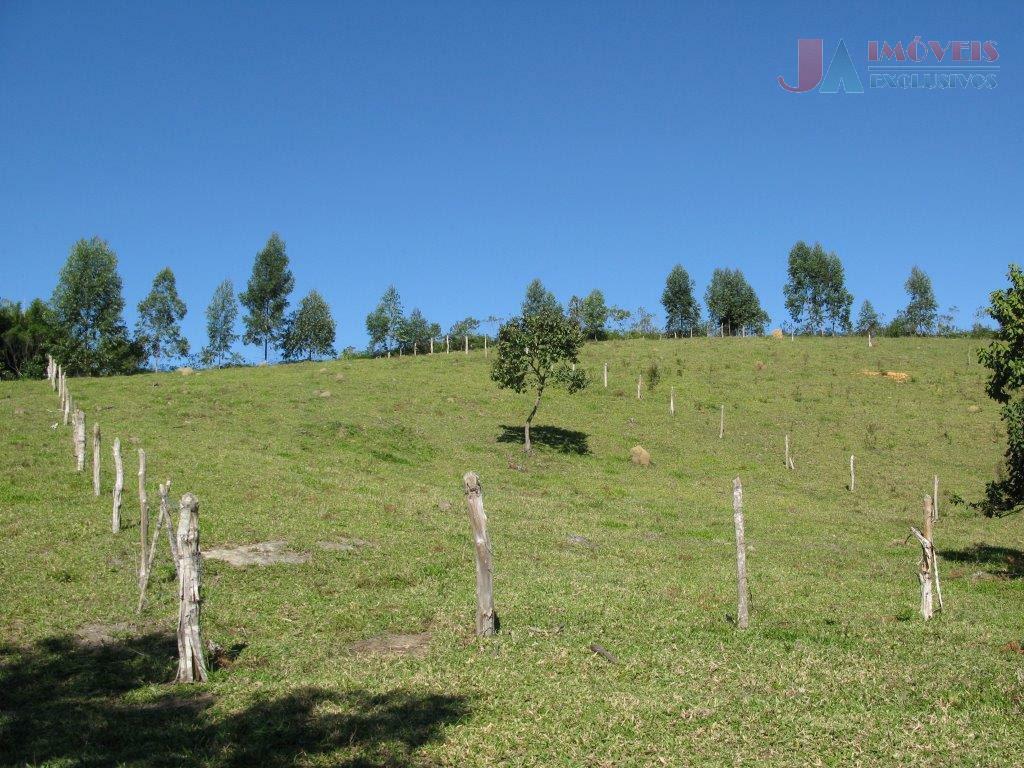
(97, 634)
(261, 553)
(391, 644)
(900, 377)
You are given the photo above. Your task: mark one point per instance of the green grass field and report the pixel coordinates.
(836, 669)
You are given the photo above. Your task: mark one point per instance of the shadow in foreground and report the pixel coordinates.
(62, 700)
(1008, 562)
(556, 438)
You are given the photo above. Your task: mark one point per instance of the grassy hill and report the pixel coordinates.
(837, 667)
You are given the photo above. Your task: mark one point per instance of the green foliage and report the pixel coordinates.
(682, 312)
(466, 327)
(220, 324)
(733, 304)
(384, 323)
(816, 290)
(868, 320)
(87, 307)
(919, 318)
(1004, 357)
(160, 313)
(643, 323)
(25, 337)
(539, 299)
(653, 375)
(310, 330)
(415, 332)
(535, 351)
(266, 295)
(594, 315)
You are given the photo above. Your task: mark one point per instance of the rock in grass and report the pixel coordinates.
(640, 456)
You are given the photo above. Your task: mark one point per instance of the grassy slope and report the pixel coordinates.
(837, 666)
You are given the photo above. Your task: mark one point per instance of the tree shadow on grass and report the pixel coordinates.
(556, 438)
(1008, 562)
(62, 700)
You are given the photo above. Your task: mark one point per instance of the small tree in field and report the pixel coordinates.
(1005, 358)
(535, 351)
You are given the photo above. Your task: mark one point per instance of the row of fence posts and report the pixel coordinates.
(185, 549)
(183, 544)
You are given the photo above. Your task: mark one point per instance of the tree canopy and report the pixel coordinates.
(266, 295)
(868, 320)
(87, 307)
(732, 303)
(384, 323)
(815, 292)
(682, 313)
(25, 335)
(1004, 357)
(535, 351)
(220, 324)
(310, 330)
(158, 328)
(921, 312)
(539, 299)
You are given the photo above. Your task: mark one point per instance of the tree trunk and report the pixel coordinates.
(529, 421)
(191, 655)
(266, 348)
(486, 617)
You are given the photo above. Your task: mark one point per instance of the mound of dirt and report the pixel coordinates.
(640, 456)
(897, 376)
(261, 553)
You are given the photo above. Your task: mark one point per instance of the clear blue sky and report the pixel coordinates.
(459, 150)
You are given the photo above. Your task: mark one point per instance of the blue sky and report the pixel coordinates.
(459, 150)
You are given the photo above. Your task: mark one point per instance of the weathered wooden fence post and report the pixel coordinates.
(869, 340)
(927, 571)
(143, 516)
(785, 458)
(96, 459)
(485, 345)
(486, 617)
(639, 383)
(743, 607)
(67, 408)
(721, 423)
(163, 519)
(447, 345)
(415, 348)
(606, 375)
(431, 346)
(853, 474)
(118, 486)
(672, 401)
(79, 440)
(467, 343)
(191, 654)
(935, 499)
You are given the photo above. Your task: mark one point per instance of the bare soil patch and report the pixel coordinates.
(261, 553)
(391, 644)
